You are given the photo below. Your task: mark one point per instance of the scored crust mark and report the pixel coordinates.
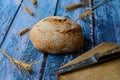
(58, 21)
(72, 31)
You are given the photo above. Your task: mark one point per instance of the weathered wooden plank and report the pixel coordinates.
(55, 61)
(8, 10)
(108, 28)
(13, 40)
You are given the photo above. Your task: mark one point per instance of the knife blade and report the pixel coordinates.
(97, 58)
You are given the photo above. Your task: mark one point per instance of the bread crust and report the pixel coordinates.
(56, 35)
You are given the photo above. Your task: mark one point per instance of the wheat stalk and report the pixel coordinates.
(81, 4)
(22, 65)
(26, 8)
(90, 12)
(74, 6)
(103, 2)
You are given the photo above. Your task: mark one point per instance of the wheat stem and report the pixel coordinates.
(11, 60)
(81, 4)
(21, 3)
(22, 65)
(90, 12)
(6, 55)
(19, 72)
(26, 8)
(103, 2)
(74, 6)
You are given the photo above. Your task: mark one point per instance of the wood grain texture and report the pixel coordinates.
(55, 61)
(108, 28)
(8, 10)
(16, 46)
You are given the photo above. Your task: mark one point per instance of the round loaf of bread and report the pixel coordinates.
(57, 35)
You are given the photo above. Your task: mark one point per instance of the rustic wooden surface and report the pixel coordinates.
(13, 18)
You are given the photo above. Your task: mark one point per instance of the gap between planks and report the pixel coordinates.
(8, 27)
(46, 55)
(42, 77)
(93, 23)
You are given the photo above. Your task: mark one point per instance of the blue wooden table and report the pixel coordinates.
(13, 19)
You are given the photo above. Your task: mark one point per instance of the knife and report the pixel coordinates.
(97, 58)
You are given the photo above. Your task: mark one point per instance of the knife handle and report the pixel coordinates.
(108, 55)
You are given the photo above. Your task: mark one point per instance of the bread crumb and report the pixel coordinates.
(16, 49)
(28, 54)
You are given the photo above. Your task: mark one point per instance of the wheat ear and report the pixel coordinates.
(11, 60)
(24, 31)
(85, 14)
(26, 8)
(74, 6)
(34, 2)
(22, 65)
(90, 12)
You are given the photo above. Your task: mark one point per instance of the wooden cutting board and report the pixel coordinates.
(106, 71)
